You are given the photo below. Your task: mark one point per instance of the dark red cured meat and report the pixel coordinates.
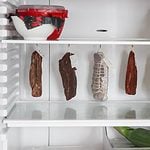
(131, 75)
(68, 76)
(35, 74)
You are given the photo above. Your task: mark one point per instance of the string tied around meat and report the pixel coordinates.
(100, 76)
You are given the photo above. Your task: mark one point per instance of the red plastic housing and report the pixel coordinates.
(39, 13)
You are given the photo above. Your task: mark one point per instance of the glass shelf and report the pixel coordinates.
(92, 41)
(80, 113)
(59, 148)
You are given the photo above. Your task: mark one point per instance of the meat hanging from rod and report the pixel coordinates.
(131, 75)
(35, 74)
(68, 76)
(100, 77)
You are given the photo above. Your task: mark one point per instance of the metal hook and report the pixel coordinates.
(100, 47)
(132, 46)
(69, 47)
(36, 46)
(38, 49)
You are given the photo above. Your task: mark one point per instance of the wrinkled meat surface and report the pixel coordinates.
(68, 76)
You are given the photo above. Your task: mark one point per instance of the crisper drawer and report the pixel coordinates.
(71, 138)
(119, 142)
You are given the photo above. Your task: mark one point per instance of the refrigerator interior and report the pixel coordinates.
(74, 138)
(59, 138)
(123, 19)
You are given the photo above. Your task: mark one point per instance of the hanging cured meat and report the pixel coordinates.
(35, 74)
(100, 77)
(131, 75)
(68, 76)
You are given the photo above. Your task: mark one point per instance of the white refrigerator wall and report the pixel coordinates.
(77, 136)
(34, 2)
(23, 138)
(27, 138)
(121, 19)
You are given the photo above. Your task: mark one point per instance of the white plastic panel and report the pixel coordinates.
(1, 146)
(61, 148)
(122, 19)
(85, 17)
(10, 2)
(34, 2)
(4, 21)
(5, 10)
(132, 18)
(76, 139)
(38, 139)
(6, 7)
(5, 110)
(9, 75)
(87, 137)
(3, 142)
(26, 138)
(7, 33)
